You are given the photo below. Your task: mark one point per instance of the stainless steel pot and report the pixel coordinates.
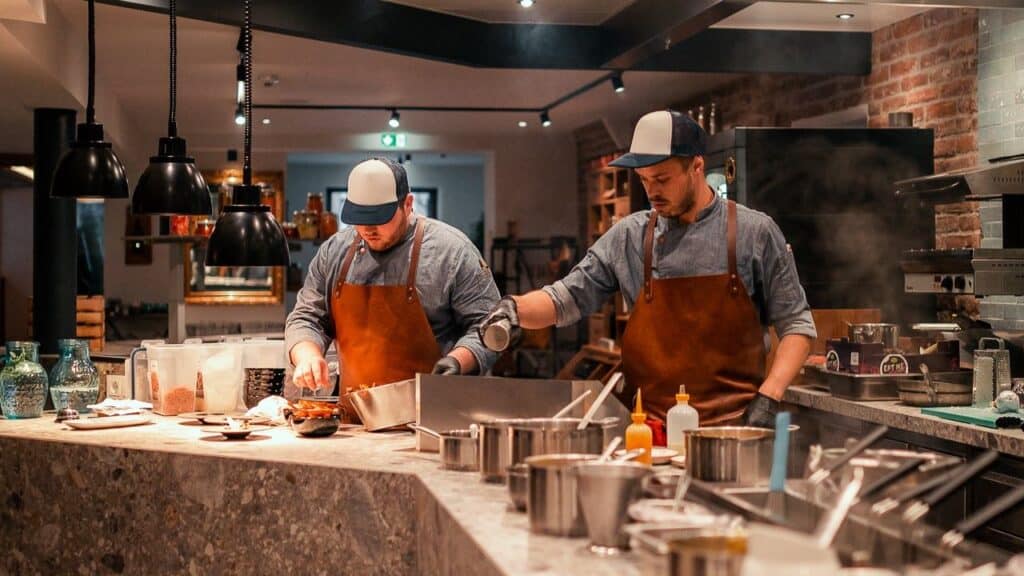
(496, 448)
(553, 501)
(739, 455)
(518, 485)
(537, 436)
(459, 449)
(875, 333)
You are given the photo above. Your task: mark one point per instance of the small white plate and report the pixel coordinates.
(100, 423)
(659, 454)
(678, 461)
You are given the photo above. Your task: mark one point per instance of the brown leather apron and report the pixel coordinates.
(382, 332)
(701, 331)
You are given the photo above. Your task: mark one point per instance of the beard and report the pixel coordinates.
(378, 243)
(683, 206)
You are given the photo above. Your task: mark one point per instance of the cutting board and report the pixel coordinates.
(967, 414)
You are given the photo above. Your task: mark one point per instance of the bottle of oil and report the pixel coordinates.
(638, 434)
(680, 418)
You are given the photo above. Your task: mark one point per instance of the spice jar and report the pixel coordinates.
(328, 224)
(291, 230)
(315, 203)
(308, 223)
(179, 225)
(204, 227)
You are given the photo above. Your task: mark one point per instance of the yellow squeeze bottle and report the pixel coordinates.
(639, 434)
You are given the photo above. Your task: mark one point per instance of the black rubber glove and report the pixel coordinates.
(505, 310)
(447, 366)
(761, 412)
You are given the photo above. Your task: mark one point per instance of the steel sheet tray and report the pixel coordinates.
(862, 387)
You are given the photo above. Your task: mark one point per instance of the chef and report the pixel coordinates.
(703, 277)
(398, 292)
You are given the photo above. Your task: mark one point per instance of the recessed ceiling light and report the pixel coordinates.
(845, 16)
(545, 120)
(24, 171)
(395, 120)
(526, 3)
(266, 121)
(522, 123)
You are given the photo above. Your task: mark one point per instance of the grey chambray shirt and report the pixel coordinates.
(455, 288)
(616, 262)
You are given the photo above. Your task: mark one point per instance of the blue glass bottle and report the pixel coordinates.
(23, 381)
(74, 380)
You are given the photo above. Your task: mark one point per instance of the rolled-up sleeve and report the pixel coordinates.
(591, 282)
(310, 320)
(473, 296)
(784, 297)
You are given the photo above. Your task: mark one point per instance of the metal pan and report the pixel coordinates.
(459, 449)
(386, 406)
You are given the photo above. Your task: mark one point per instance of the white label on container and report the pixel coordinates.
(854, 358)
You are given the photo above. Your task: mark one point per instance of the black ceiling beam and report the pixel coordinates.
(739, 51)
(646, 28)
(627, 40)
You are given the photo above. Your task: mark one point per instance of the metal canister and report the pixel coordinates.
(739, 455)
(496, 448)
(537, 436)
(553, 496)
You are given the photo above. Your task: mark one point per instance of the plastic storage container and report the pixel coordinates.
(172, 380)
(264, 363)
(222, 376)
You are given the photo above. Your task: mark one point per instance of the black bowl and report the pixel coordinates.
(314, 427)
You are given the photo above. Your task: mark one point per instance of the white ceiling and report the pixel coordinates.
(822, 16)
(580, 12)
(418, 158)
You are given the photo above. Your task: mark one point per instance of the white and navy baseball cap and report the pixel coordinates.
(376, 187)
(661, 135)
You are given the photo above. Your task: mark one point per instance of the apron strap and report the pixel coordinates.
(347, 263)
(652, 223)
(414, 260)
(734, 279)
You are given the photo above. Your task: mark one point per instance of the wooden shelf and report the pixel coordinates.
(167, 239)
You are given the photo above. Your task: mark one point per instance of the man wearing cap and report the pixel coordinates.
(703, 277)
(399, 293)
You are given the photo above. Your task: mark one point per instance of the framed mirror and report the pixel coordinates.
(235, 284)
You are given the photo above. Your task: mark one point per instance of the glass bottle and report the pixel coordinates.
(23, 381)
(712, 120)
(700, 117)
(74, 380)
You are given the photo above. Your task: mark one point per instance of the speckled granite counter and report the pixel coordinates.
(173, 498)
(896, 415)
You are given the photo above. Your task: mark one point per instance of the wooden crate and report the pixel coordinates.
(90, 321)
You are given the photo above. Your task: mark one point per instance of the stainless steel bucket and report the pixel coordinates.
(739, 455)
(553, 501)
(537, 436)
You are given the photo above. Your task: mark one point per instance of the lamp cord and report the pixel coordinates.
(172, 123)
(246, 161)
(90, 110)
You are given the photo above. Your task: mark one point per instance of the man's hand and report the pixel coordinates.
(505, 310)
(310, 366)
(447, 366)
(761, 412)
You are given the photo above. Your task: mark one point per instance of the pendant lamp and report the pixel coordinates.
(172, 184)
(246, 233)
(90, 169)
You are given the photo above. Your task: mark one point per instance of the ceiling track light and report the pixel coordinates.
(239, 83)
(240, 114)
(526, 3)
(845, 16)
(91, 168)
(246, 233)
(172, 184)
(395, 120)
(617, 84)
(545, 119)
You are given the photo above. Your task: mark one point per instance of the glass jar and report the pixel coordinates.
(74, 380)
(291, 230)
(23, 381)
(315, 203)
(328, 224)
(308, 223)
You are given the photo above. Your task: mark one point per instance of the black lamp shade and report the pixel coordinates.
(247, 234)
(172, 184)
(90, 169)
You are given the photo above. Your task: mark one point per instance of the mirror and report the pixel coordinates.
(235, 284)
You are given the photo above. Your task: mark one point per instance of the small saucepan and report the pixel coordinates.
(460, 449)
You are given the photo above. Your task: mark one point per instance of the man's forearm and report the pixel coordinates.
(789, 359)
(536, 310)
(304, 350)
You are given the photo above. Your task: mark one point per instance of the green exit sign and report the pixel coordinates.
(392, 140)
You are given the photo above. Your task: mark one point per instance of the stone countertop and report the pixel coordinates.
(501, 535)
(896, 415)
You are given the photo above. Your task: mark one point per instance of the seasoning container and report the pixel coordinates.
(172, 383)
(639, 434)
(315, 203)
(308, 223)
(180, 225)
(204, 227)
(680, 418)
(291, 230)
(328, 224)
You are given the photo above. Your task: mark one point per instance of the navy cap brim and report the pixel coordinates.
(356, 215)
(631, 160)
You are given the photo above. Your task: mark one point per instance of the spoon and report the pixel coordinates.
(610, 448)
(612, 383)
(571, 405)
